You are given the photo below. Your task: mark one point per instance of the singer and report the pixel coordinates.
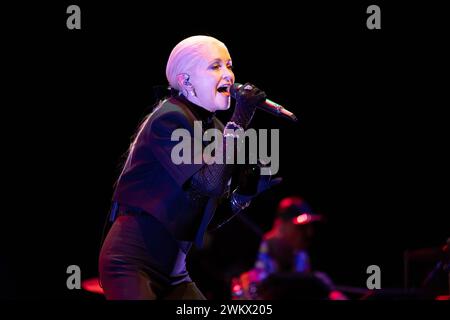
(159, 208)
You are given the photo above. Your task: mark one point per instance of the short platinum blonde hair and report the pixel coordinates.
(185, 55)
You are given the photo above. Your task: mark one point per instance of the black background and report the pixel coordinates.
(368, 151)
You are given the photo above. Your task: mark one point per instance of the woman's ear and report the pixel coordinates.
(183, 81)
(186, 87)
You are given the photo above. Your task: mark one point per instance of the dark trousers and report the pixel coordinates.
(140, 260)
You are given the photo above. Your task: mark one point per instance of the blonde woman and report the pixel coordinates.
(160, 208)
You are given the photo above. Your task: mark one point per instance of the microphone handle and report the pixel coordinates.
(270, 106)
(274, 108)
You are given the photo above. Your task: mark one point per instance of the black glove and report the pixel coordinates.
(251, 184)
(247, 98)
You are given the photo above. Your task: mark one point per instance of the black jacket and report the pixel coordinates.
(152, 182)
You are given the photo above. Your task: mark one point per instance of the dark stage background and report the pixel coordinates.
(368, 151)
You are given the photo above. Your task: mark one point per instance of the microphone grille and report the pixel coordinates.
(234, 88)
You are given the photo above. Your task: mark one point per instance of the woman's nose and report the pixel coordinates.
(228, 74)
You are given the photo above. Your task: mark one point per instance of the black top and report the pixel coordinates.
(152, 182)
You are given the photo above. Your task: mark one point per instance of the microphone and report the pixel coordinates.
(267, 106)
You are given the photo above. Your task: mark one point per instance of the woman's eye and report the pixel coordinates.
(215, 67)
(230, 67)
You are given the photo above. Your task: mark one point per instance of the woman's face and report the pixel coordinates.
(211, 78)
